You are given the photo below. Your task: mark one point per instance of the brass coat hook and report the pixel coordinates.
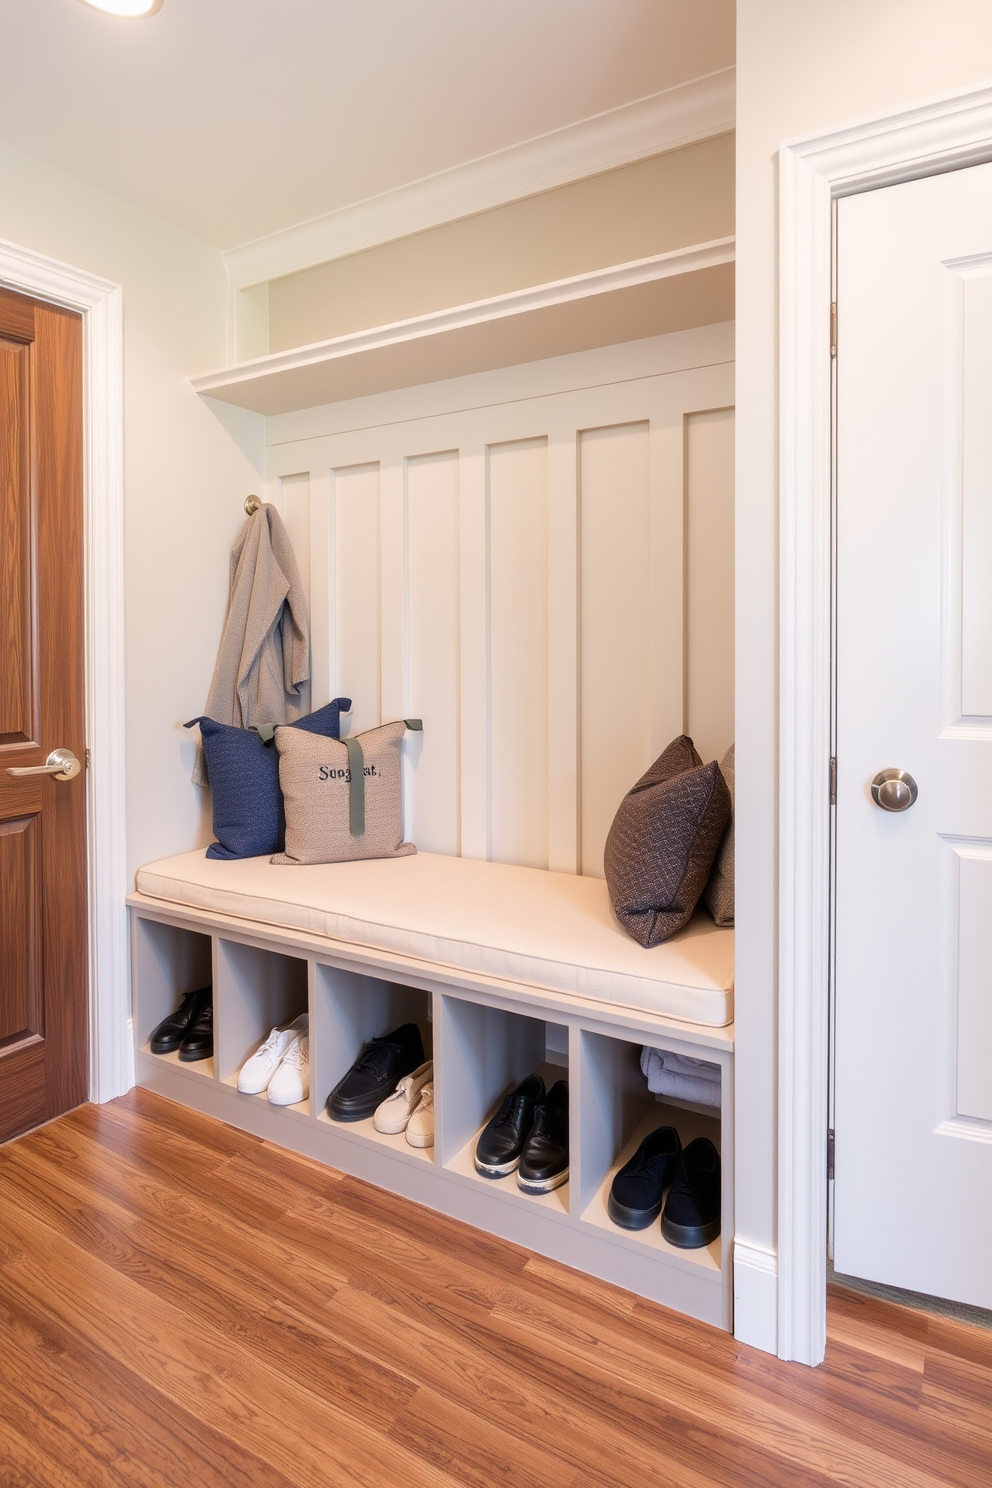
(252, 503)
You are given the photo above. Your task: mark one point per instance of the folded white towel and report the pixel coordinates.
(681, 1076)
(686, 1088)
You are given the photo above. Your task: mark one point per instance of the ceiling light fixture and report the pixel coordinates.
(134, 10)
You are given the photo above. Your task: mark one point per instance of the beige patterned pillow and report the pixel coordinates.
(719, 893)
(343, 797)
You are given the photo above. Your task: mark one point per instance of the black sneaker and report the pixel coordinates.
(376, 1073)
(198, 1042)
(544, 1160)
(501, 1142)
(169, 1034)
(692, 1209)
(639, 1187)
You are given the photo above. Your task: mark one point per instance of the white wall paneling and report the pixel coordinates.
(514, 573)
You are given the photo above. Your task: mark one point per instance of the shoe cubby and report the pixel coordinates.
(485, 1052)
(255, 990)
(349, 1009)
(484, 1039)
(169, 962)
(616, 1112)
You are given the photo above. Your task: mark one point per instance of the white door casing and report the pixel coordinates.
(922, 139)
(913, 1043)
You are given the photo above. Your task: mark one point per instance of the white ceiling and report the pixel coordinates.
(237, 118)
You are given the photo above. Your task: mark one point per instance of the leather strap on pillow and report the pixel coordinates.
(356, 784)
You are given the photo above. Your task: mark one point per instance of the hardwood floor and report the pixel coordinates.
(183, 1304)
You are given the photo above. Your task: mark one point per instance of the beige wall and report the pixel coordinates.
(185, 479)
(799, 68)
(684, 196)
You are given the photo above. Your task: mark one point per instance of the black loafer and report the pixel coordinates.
(692, 1209)
(639, 1187)
(376, 1073)
(169, 1034)
(544, 1160)
(199, 1040)
(501, 1141)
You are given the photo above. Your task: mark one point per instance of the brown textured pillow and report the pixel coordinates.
(718, 895)
(328, 819)
(662, 843)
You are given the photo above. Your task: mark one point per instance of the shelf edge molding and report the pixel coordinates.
(617, 303)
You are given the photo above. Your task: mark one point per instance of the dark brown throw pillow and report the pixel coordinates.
(662, 843)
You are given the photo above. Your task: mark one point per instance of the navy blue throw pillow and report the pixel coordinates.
(243, 769)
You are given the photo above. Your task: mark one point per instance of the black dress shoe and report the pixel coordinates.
(199, 1040)
(639, 1187)
(376, 1073)
(692, 1209)
(501, 1142)
(544, 1160)
(172, 1030)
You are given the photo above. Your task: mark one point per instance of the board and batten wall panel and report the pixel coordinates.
(432, 647)
(530, 576)
(709, 581)
(614, 626)
(518, 652)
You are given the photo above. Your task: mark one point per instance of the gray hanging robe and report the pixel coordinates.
(263, 665)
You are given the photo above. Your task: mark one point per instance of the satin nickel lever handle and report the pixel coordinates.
(61, 763)
(894, 790)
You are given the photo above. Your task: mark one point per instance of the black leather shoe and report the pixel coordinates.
(639, 1187)
(501, 1142)
(544, 1160)
(692, 1209)
(376, 1073)
(199, 1040)
(172, 1030)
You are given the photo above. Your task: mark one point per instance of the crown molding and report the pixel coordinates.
(664, 121)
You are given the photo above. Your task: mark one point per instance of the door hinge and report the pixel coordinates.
(86, 759)
(830, 1156)
(833, 780)
(833, 328)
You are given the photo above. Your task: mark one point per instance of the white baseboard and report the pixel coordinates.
(130, 1056)
(756, 1296)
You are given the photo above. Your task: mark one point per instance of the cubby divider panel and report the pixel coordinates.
(485, 1052)
(256, 990)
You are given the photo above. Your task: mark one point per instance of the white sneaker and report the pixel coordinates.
(291, 1082)
(394, 1112)
(257, 1071)
(420, 1127)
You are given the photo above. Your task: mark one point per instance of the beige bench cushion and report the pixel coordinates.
(526, 925)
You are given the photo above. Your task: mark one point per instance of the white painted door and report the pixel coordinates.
(913, 1072)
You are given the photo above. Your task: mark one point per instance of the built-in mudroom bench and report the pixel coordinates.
(507, 970)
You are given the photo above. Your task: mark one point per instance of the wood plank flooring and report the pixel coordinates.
(184, 1305)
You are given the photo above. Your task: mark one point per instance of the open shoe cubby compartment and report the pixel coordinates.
(483, 1040)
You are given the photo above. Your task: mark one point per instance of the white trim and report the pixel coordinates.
(518, 302)
(951, 131)
(99, 303)
(755, 1280)
(664, 121)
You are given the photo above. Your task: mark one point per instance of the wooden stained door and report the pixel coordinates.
(43, 950)
(913, 1101)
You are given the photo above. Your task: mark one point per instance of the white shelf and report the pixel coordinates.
(668, 292)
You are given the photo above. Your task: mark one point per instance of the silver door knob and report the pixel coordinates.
(894, 790)
(61, 763)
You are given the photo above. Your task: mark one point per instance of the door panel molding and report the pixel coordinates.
(100, 303)
(944, 133)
